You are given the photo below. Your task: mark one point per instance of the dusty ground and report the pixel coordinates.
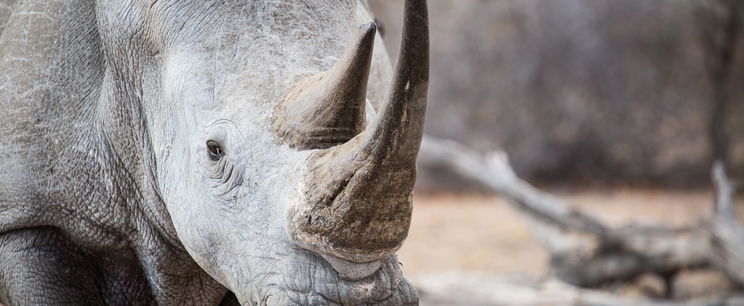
(482, 234)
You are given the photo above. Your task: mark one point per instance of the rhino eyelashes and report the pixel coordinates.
(214, 149)
(224, 169)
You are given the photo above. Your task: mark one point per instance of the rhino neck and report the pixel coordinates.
(80, 153)
(75, 148)
(128, 99)
(123, 139)
(56, 167)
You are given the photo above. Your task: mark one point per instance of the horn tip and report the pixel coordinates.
(369, 29)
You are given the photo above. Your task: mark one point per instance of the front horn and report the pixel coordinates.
(356, 199)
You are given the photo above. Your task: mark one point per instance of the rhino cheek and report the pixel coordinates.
(232, 237)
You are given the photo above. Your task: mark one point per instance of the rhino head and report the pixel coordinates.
(279, 177)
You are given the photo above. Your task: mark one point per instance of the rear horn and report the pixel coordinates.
(327, 109)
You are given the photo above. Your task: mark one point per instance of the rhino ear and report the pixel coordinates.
(327, 109)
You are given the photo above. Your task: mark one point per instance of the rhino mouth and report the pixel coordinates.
(318, 283)
(350, 270)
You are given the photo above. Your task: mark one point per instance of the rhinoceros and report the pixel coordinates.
(205, 152)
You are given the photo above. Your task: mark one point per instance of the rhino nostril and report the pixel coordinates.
(350, 270)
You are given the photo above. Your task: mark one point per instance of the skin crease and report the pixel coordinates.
(108, 191)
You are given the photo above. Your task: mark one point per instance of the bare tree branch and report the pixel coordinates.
(612, 254)
(466, 289)
(494, 172)
(724, 188)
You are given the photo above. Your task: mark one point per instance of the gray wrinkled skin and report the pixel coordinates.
(107, 193)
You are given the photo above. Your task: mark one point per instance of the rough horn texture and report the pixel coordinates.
(356, 201)
(140, 163)
(327, 109)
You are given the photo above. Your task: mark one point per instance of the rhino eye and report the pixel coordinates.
(215, 150)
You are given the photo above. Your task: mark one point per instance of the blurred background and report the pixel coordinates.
(618, 106)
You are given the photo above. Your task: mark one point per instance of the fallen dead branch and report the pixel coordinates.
(474, 289)
(587, 253)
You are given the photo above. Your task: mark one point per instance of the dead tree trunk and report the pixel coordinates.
(461, 289)
(587, 253)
